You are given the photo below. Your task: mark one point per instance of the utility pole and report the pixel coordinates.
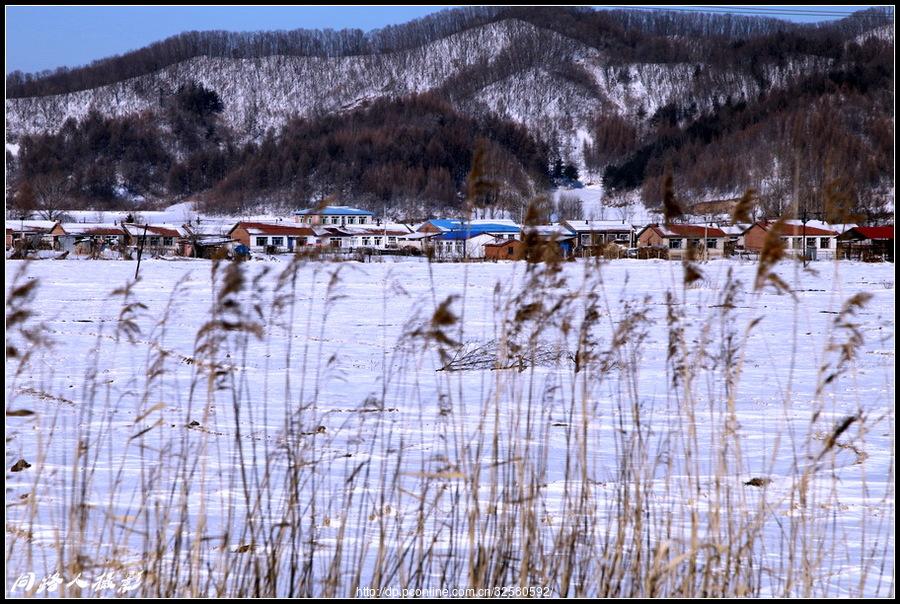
(140, 250)
(804, 218)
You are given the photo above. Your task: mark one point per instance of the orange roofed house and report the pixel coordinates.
(707, 241)
(272, 238)
(819, 243)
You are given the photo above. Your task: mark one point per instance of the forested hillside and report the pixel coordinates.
(392, 118)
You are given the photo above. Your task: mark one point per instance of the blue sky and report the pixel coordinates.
(47, 37)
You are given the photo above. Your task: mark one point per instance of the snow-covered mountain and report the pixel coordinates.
(559, 73)
(537, 88)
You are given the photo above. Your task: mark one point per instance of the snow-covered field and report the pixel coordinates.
(302, 408)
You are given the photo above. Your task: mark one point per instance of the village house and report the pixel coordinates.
(461, 245)
(734, 244)
(156, 239)
(594, 235)
(456, 239)
(273, 238)
(707, 241)
(557, 235)
(375, 236)
(206, 240)
(334, 216)
(507, 249)
(867, 243)
(88, 238)
(30, 234)
(818, 243)
(417, 241)
(505, 229)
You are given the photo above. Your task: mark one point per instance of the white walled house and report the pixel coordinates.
(338, 216)
(706, 241)
(594, 235)
(812, 242)
(155, 238)
(268, 238)
(458, 245)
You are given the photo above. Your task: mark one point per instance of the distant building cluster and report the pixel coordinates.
(338, 230)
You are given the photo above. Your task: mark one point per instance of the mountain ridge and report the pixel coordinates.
(569, 80)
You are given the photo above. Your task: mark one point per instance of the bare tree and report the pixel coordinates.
(569, 207)
(50, 191)
(626, 213)
(24, 202)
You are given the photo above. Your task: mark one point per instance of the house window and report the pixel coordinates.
(363, 219)
(351, 220)
(392, 240)
(262, 241)
(334, 220)
(585, 240)
(278, 241)
(712, 244)
(154, 241)
(798, 243)
(366, 241)
(824, 243)
(168, 241)
(695, 243)
(377, 241)
(675, 244)
(335, 242)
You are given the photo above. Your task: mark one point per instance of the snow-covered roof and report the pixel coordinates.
(91, 228)
(392, 226)
(373, 230)
(158, 230)
(796, 229)
(598, 226)
(686, 230)
(549, 230)
(735, 230)
(842, 228)
(334, 211)
(30, 225)
(209, 227)
(418, 236)
(267, 228)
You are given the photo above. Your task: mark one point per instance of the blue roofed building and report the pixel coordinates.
(334, 216)
(458, 239)
(455, 225)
